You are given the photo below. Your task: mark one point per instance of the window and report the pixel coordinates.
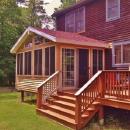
(126, 53)
(97, 60)
(49, 60)
(38, 62)
(121, 53)
(20, 64)
(75, 20)
(38, 39)
(112, 10)
(28, 43)
(27, 65)
(118, 54)
(68, 67)
(69, 22)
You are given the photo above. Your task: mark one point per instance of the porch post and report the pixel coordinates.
(101, 115)
(22, 96)
(58, 66)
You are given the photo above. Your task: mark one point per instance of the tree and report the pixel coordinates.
(66, 3)
(36, 12)
(11, 27)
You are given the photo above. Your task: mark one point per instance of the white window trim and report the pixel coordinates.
(113, 18)
(113, 54)
(84, 15)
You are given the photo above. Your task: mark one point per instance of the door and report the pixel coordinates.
(83, 66)
(68, 68)
(97, 60)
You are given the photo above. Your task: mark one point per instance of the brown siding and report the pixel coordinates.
(96, 25)
(60, 23)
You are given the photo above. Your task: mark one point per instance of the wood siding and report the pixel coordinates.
(96, 25)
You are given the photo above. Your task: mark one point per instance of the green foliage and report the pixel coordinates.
(12, 24)
(66, 3)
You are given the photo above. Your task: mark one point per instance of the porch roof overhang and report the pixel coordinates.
(59, 37)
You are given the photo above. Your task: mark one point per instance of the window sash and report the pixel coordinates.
(49, 60)
(20, 64)
(75, 20)
(38, 62)
(112, 9)
(97, 60)
(28, 61)
(121, 57)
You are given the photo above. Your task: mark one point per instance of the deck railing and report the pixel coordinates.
(117, 83)
(103, 84)
(47, 88)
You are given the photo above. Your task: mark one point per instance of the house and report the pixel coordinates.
(80, 67)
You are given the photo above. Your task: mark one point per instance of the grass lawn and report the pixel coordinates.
(15, 115)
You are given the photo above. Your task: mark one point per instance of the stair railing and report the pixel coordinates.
(85, 96)
(47, 88)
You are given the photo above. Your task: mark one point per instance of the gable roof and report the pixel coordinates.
(59, 37)
(76, 5)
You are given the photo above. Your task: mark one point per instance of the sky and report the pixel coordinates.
(52, 4)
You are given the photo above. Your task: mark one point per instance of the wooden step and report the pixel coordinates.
(65, 98)
(66, 94)
(60, 110)
(58, 117)
(63, 104)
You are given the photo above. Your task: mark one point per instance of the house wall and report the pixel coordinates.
(96, 25)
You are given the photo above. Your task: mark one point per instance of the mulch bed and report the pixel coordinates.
(7, 89)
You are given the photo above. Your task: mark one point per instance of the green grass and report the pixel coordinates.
(15, 115)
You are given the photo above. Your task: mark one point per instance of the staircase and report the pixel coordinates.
(76, 109)
(61, 108)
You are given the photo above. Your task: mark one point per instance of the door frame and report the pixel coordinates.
(89, 63)
(75, 69)
(103, 58)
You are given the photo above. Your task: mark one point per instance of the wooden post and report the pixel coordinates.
(101, 85)
(22, 96)
(101, 115)
(78, 110)
(39, 97)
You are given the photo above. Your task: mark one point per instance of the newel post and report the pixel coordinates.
(102, 85)
(78, 110)
(39, 97)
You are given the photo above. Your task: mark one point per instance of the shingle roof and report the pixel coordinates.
(60, 37)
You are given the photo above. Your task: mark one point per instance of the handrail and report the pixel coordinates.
(49, 78)
(47, 88)
(88, 83)
(85, 97)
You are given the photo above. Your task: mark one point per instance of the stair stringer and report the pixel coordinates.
(91, 114)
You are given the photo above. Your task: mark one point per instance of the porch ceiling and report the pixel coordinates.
(59, 37)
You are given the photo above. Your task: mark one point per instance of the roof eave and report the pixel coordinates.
(87, 43)
(25, 34)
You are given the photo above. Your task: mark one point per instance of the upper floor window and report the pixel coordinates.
(112, 10)
(75, 20)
